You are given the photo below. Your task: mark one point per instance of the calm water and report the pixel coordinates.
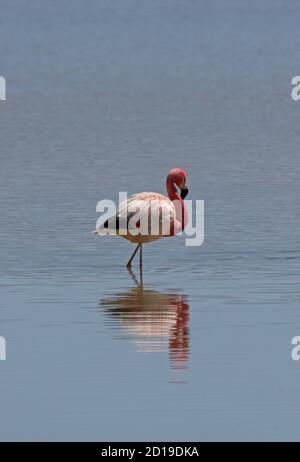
(105, 97)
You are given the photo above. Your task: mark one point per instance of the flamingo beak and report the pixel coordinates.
(184, 191)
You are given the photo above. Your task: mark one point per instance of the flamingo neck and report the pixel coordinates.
(180, 207)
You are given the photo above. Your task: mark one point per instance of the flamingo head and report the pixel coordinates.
(178, 177)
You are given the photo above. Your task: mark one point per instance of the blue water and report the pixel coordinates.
(107, 96)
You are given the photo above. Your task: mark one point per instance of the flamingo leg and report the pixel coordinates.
(132, 256)
(141, 257)
(141, 266)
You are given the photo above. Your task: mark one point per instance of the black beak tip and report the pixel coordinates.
(184, 193)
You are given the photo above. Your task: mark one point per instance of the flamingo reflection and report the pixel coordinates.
(155, 321)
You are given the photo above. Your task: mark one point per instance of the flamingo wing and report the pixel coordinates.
(151, 215)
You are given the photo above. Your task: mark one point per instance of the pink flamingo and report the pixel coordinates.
(171, 208)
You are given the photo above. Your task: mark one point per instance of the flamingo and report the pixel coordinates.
(171, 209)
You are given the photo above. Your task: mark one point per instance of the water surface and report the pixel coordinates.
(105, 97)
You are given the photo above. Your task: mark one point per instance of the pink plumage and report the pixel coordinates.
(148, 216)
